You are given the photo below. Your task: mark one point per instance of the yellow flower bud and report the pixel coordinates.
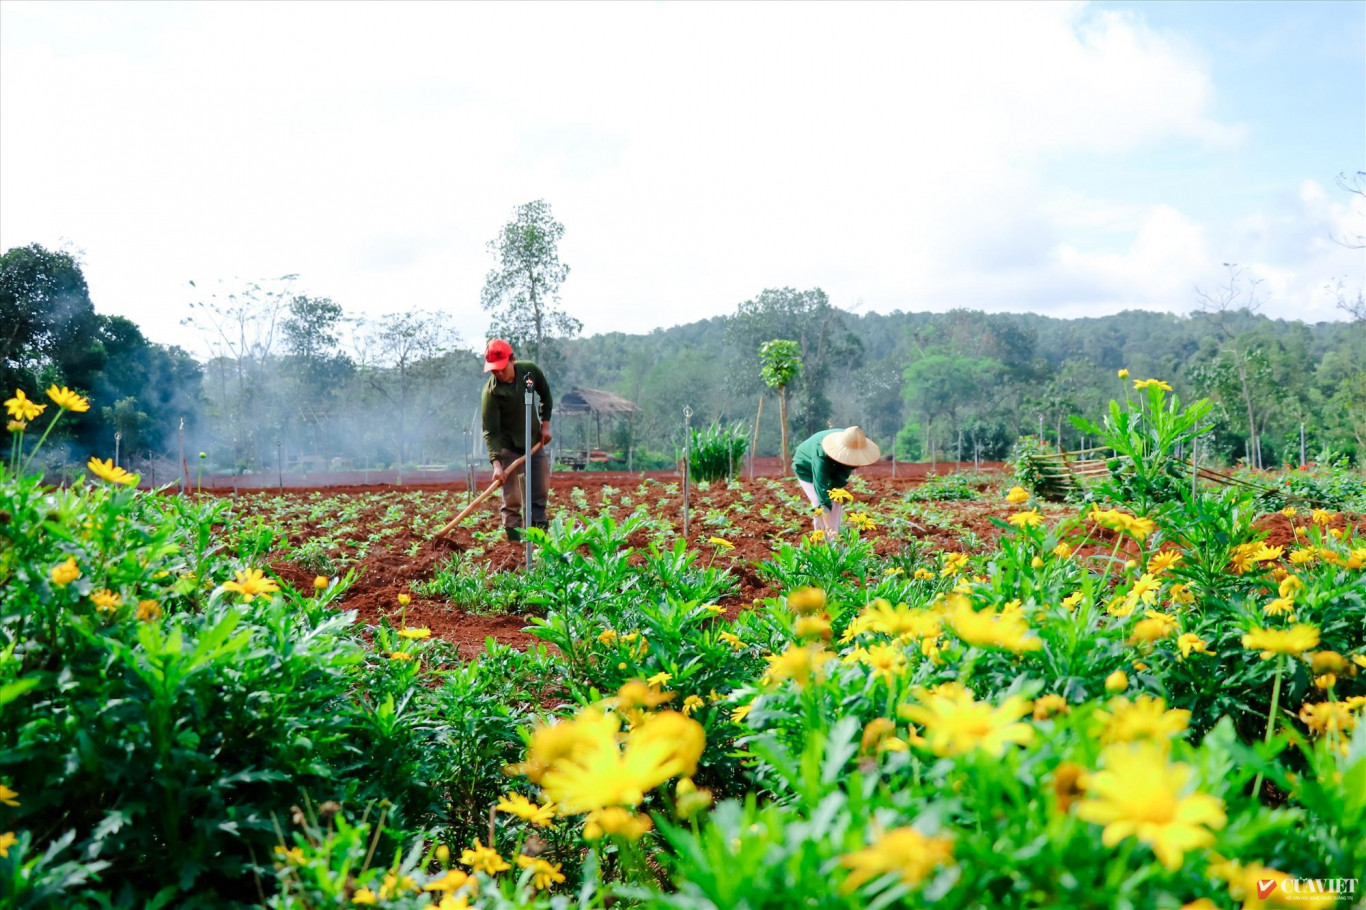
(1117, 681)
(805, 601)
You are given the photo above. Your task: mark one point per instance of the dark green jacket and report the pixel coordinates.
(504, 409)
(810, 463)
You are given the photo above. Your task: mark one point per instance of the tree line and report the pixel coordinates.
(295, 382)
(964, 384)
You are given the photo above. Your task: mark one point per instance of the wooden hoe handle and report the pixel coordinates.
(449, 526)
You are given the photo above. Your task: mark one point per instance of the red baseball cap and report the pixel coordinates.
(497, 355)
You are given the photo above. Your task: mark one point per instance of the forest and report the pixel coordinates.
(302, 382)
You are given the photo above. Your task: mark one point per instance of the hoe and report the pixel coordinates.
(440, 539)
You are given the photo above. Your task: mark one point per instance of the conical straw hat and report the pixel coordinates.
(851, 447)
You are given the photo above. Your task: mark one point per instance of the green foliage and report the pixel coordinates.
(157, 741)
(53, 335)
(1030, 473)
(941, 384)
(1144, 434)
(49, 319)
(910, 443)
(780, 362)
(780, 366)
(523, 292)
(957, 487)
(821, 332)
(718, 452)
(470, 588)
(206, 733)
(1331, 487)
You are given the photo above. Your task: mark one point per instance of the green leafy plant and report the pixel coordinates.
(780, 364)
(718, 452)
(1144, 433)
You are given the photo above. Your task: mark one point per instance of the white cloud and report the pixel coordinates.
(697, 153)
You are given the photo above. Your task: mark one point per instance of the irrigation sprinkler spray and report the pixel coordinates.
(687, 466)
(527, 470)
(469, 475)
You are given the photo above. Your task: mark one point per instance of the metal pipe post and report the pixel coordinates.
(117, 436)
(687, 466)
(527, 471)
(1303, 461)
(280, 465)
(185, 465)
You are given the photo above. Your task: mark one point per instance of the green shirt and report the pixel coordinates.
(818, 469)
(504, 409)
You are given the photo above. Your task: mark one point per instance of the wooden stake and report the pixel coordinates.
(754, 449)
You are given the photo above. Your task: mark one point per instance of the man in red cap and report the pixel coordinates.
(504, 411)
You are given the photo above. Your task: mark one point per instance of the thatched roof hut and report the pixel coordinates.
(594, 401)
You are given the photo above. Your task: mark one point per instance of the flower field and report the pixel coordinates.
(1148, 697)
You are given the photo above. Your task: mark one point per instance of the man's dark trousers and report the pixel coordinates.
(514, 488)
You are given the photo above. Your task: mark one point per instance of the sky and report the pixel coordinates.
(1060, 158)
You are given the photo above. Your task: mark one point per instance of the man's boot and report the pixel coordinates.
(515, 534)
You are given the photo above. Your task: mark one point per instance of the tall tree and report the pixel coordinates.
(317, 370)
(310, 327)
(781, 363)
(1241, 363)
(50, 333)
(46, 319)
(523, 292)
(402, 359)
(819, 329)
(243, 327)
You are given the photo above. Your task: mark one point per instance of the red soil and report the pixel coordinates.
(368, 481)
(388, 571)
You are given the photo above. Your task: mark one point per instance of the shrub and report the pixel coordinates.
(718, 451)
